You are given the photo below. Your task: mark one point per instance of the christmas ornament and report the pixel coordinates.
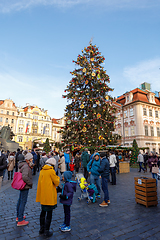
(98, 76)
(69, 121)
(97, 102)
(101, 137)
(98, 115)
(82, 106)
(93, 74)
(92, 59)
(107, 97)
(84, 129)
(84, 69)
(86, 82)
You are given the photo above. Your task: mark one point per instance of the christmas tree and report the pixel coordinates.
(46, 147)
(135, 152)
(89, 113)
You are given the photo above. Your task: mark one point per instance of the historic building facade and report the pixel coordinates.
(57, 125)
(138, 116)
(33, 124)
(8, 114)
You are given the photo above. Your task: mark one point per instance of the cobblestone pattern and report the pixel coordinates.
(123, 219)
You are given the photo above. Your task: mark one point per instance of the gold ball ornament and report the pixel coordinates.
(97, 102)
(82, 106)
(84, 69)
(107, 97)
(84, 129)
(93, 74)
(101, 137)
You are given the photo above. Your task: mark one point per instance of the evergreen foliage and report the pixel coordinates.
(90, 112)
(46, 147)
(135, 152)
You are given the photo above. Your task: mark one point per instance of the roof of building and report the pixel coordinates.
(138, 95)
(54, 120)
(26, 108)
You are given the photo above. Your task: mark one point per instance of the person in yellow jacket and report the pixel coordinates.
(47, 195)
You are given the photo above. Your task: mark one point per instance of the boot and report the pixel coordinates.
(41, 231)
(48, 233)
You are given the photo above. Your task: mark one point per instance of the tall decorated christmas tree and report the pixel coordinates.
(135, 152)
(89, 113)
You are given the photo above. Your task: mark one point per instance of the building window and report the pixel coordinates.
(132, 131)
(131, 112)
(20, 139)
(20, 130)
(146, 130)
(7, 112)
(156, 114)
(127, 98)
(2, 111)
(1, 119)
(28, 115)
(12, 121)
(27, 139)
(34, 130)
(21, 114)
(118, 116)
(126, 132)
(42, 118)
(47, 125)
(21, 122)
(12, 113)
(125, 114)
(6, 120)
(150, 112)
(152, 131)
(41, 131)
(41, 125)
(158, 132)
(144, 111)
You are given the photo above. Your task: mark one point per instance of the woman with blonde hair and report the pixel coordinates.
(11, 164)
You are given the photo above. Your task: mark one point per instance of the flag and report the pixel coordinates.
(44, 128)
(27, 127)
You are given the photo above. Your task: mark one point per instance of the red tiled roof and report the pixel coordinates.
(54, 120)
(1, 102)
(26, 108)
(138, 95)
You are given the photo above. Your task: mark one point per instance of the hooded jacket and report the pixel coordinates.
(152, 161)
(47, 183)
(85, 158)
(104, 168)
(26, 171)
(11, 163)
(94, 168)
(68, 188)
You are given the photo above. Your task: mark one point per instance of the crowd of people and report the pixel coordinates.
(98, 169)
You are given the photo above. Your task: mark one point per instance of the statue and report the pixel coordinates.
(6, 136)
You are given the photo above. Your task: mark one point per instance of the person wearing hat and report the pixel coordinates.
(47, 195)
(92, 168)
(61, 163)
(25, 167)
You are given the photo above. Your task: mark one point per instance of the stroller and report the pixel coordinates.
(87, 191)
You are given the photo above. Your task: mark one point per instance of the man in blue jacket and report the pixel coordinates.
(92, 168)
(104, 171)
(67, 159)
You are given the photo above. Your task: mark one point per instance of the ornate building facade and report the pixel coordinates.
(8, 114)
(138, 117)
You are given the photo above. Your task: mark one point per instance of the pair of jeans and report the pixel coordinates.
(10, 174)
(105, 189)
(67, 167)
(97, 180)
(45, 222)
(113, 175)
(1, 177)
(85, 173)
(154, 175)
(140, 167)
(21, 204)
(67, 214)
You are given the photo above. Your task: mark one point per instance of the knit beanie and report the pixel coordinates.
(28, 156)
(51, 161)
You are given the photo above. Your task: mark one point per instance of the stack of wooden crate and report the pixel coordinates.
(146, 191)
(124, 167)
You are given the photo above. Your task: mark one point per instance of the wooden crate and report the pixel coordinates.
(124, 167)
(146, 191)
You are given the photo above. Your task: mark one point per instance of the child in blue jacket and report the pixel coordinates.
(66, 199)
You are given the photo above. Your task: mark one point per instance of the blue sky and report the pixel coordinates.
(40, 38)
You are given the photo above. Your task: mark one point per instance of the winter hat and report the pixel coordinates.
(44, 153)
(67, 176)
(28, 156)
(51, 161)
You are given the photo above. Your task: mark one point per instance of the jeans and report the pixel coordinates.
(67, 214)
(140, 167)
(85, 173)
(154, 175)
(45, 222)
(1, 181)
(67, 167)
(4, 171)
(96, 179)
(21, 204)
(105, 189)
(113, 174)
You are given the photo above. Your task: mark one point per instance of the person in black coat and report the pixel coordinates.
(16, 160)
(104, 171)
(3, 165)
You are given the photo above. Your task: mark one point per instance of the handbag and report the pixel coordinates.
(18, 182)
(155, 169)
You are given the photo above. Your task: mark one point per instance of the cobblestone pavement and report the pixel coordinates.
(123, 219)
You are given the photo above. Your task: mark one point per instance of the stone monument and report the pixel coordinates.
(6, 136)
